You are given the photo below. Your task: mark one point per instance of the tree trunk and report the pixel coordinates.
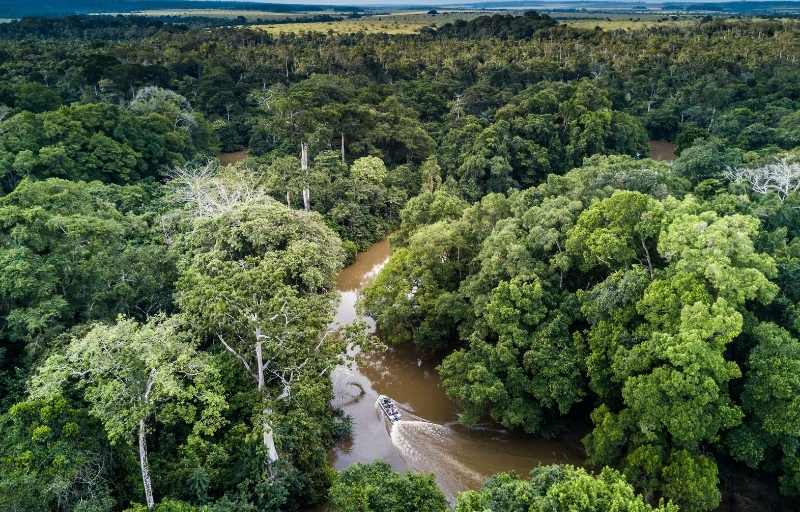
(148, 484)
(268, 436)
(343, 161)
(304, 169)
(259, 361)
(269, 439)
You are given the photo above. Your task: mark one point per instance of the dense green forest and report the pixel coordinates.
(164, 320)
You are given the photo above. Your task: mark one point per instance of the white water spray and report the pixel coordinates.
(430, 447)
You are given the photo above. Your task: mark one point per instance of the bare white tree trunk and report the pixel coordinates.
(269, 439)
(288, 199)
(343, 161)
(304, 169)
(267, 433)
(259, 362)
(268, 436)
(148, 484)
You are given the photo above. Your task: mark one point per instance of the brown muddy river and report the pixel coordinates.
(429, 437)
(662, 150)
(232, 157)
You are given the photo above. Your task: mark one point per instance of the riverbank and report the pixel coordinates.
(429, 438)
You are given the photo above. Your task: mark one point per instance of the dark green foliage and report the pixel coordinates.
(547, 128)
(30, 96)
(498, 25)
(53, 457)
(94, 142)
(604, 276)
(75, 252)
(771, 395)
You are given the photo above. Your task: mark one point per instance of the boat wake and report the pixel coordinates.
(429, 447)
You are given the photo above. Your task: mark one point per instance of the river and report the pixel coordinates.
(429, 437)
(662, 150)
(233, 156)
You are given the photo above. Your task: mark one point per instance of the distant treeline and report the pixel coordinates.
(88, 27)
(736, 7)
(502, 26)
(129, 26)
(66, 7)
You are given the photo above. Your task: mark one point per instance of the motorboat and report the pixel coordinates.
(389, 408)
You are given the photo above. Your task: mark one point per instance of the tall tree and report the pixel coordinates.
(132, 374)
(258, 278)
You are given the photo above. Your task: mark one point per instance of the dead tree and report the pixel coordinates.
(781, 177)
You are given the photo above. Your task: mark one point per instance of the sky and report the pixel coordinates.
(522, 3)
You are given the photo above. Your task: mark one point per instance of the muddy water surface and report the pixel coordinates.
(429, 437)
(232, 157)
(662, 150)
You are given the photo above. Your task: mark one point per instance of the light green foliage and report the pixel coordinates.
(557, 489)
(416, 296)
(257, 281)
(427, 208)
(600, 176)
(431, 175)
(376, 488)
(610, 307)
(672, 366)
(663, 286)
(414, 299)
(721, 250)
(131, 372)
(691, 481)
(132, 375)
(617, 231)
(684, 394)
(368, 170)
(267, 249)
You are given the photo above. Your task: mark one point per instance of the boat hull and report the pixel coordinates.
(389, 409)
